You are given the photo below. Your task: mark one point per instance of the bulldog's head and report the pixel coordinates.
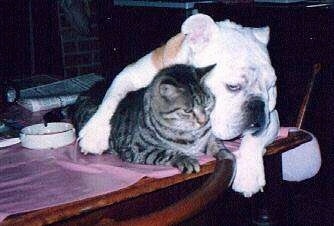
(243, 80)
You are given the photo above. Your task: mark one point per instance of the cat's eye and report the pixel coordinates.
(189, 110)
(208, 106)
(234, 87)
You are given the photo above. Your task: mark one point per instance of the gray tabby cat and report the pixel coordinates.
(166, 123)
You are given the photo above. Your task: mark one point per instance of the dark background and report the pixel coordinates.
(300, 38)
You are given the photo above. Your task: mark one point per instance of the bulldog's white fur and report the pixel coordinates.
(243, 71)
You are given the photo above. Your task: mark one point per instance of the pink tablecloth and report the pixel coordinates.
(35, 179)
(32, 179)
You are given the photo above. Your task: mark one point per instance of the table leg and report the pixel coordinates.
(269, 207)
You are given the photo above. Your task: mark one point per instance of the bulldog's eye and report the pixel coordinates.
(233, 87)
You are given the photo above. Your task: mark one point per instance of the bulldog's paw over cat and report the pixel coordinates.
(94, 136)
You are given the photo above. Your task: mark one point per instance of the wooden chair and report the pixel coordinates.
(306, 100)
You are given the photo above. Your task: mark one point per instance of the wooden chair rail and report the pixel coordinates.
(293, 140)
(306, 100)
(224, 169)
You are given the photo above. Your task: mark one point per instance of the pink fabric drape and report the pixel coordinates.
(36, 179)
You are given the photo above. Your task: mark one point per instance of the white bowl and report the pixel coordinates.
(54, 135)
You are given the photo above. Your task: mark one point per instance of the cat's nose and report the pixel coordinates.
(200, 116)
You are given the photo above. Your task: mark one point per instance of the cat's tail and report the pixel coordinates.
(56, 115)
(84, 107)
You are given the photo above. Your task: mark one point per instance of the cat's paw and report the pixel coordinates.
(249, 178)
(187, 164)
(94, 136)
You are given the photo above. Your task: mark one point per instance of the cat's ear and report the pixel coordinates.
(168, 91)
(202, 71)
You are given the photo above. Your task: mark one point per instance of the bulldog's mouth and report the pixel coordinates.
(251, 118)
(255, 130)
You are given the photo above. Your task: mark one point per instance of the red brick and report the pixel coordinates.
(64, 22)
(71, 71)
(90, 69)
(70, 47)
(88, 45)
(78, 59)
(66, 30)
(94, 30)
(96, 57)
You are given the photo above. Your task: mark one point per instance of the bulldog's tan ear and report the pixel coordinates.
(262, 34)
(169, 53)
(199, 29)
(172, 49)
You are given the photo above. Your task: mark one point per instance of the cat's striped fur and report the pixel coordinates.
(166, 123)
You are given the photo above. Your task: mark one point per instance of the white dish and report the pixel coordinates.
(54, 135)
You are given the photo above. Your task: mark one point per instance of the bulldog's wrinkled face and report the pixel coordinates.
(243, 80)
(241, 101)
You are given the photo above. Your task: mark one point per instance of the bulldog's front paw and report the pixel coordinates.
(249, 178)
(94, 136)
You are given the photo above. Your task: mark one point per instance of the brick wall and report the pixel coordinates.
(81, 53)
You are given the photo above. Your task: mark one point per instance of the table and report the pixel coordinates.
(128, 202)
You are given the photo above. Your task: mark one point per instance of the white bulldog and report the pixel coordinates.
(243, 83)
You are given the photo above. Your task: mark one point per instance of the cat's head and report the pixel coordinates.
(179, 97)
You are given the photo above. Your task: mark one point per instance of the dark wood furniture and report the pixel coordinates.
(29, 41)
(149, 195)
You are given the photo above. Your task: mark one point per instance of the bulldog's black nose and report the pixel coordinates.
(256, 117)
